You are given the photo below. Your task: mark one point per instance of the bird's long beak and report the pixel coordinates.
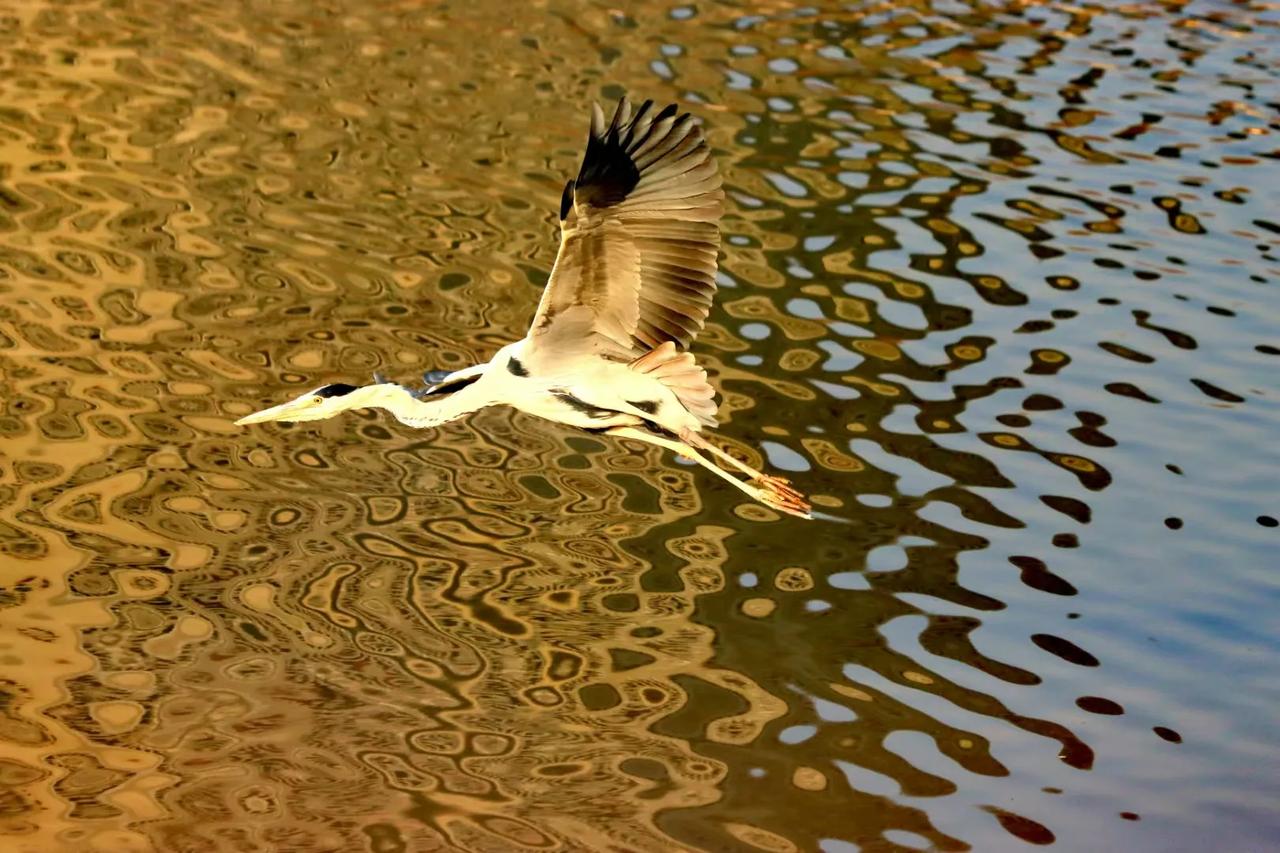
(290, 411)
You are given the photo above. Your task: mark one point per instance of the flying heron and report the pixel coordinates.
(632, 285)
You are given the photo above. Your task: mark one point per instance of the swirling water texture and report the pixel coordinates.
(998, 289)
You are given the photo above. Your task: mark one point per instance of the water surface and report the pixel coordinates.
(998, 292)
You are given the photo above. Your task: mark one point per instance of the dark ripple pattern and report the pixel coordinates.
(998, 289)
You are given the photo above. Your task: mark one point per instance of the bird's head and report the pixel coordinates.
(317, 404)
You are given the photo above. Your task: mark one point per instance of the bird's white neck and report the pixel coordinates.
(410, 411)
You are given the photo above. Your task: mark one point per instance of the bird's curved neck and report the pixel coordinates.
(433, 411)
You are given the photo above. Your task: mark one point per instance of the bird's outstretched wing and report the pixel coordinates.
(639, 236)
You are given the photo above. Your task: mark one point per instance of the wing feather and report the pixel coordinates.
(639, 235)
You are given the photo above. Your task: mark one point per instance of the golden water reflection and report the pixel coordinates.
(990, 272)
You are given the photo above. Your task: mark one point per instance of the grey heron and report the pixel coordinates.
(632, 286)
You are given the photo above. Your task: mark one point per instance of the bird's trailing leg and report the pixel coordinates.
(768, 481)
(786, 500)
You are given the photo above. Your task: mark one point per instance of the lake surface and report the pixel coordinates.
(999, 292)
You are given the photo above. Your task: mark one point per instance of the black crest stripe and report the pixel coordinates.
(337, 389)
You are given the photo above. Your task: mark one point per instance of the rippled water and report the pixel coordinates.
(999, 290)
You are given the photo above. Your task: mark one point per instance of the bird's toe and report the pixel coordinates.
(790, 502)
(781, 487)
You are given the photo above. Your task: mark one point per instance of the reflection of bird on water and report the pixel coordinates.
(631, 288)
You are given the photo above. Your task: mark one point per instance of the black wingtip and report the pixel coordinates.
(608, 172)
(621, 116)
(637, 121)
(566, 200)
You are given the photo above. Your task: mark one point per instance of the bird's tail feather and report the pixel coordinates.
(679, 372)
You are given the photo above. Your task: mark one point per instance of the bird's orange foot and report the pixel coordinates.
(780, 485)
(777, 493)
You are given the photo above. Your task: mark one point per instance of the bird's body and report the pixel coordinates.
(594, 393)
(632, 286)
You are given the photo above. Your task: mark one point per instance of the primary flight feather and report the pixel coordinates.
(631, 288)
